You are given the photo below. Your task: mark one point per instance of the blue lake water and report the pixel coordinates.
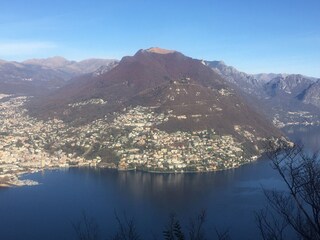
(229, 197)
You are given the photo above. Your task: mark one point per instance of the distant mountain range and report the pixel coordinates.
(150, 77)
(311, 95)
(264, 85)
(245, 82)
(72, 67)
(39, 76)
(274, 93)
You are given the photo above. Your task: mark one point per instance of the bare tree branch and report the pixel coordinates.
(299, 205)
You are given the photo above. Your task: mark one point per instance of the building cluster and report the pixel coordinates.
(26, 143)
(298, 118)
(129, 140)
(146, 147)
(91, 101)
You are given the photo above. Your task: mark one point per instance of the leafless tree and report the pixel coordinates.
(86, 229)
(195, 230)
(127, 229)
(297, 209)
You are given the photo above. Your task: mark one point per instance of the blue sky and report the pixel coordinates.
(254, 36)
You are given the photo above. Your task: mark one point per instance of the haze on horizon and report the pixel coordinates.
(254, 36)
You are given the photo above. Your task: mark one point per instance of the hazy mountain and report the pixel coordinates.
(266, 77)
(312, 94)
(288, 98)
(286, 95)
(72, 67)
(292, 93)
(263, 85)
(245, 82)
(271, 84)
(194, 95)
(53, 62)
(18, 78)
(288, 86)
(39, 76)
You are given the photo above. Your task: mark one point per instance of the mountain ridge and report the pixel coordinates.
(40, 76)
(286, 99)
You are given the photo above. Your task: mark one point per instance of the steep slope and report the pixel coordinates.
(312, 94)
(246, 82)
(289, 86)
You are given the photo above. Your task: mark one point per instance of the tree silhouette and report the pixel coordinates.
(87, 229)
(297, 209)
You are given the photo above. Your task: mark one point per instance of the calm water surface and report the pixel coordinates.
(230, 197)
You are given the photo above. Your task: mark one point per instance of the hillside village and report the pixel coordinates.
(298, 118)
(130, 140)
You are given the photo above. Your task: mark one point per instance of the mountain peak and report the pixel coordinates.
(160, 50)
(54, 58)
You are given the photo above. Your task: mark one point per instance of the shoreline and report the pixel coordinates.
(18, 182)
(188, 171)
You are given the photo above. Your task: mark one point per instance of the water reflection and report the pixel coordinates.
(149, 197)
(309, 137)
(164, 189)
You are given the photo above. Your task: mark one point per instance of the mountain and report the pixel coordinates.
(246, 82)
(266, 77)
(288, 86)
(286, 99)
(190, 95)
(40, 76)
(18, 78)
(72, 67)
(53, 62)
(312, 94)
(291, 93)
(264, 86)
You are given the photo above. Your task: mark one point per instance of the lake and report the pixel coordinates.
(230, 197)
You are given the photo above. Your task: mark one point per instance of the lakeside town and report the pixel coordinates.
(295, 118)
(129, 141)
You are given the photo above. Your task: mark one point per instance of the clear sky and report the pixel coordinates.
(254, 36)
